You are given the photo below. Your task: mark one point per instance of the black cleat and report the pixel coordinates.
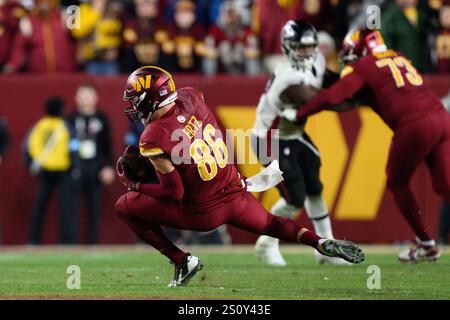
(346, 250)
(185, 271)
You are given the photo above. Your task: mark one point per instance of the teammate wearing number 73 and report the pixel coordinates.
(385, 80)
(198, 189)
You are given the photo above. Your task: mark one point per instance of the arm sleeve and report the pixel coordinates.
(149, 143)
(342, 90)
(170, 186)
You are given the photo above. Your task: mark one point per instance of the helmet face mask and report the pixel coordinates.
(148, 89)
(299, 44)
(347, 56)
(139, 110)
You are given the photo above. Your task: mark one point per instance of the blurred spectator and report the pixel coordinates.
(344, 13)
(444, 223)
(4, 138)
(442, 41)
(269, 18)
(405, 28)
(202, 12)
(133, 134)
(186, 39)
(358, 14)
(327, 46)
(4, 144)
(10, 14)
(99, 36)
(244, 5)
(67, 3)
(143, 36)
(91, 141)
(231, 47)
(48, 147)
(444, 212)
(43, 42)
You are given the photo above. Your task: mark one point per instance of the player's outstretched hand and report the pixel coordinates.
(290, 114)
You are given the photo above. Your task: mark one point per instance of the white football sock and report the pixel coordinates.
(317, 211)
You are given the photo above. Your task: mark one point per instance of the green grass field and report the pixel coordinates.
(229, 273)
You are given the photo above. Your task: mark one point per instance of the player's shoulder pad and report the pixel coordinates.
(150, 141)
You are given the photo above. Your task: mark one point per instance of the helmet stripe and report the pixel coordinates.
(171, 82)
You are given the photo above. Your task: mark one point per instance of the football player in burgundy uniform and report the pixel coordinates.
(386, 80)
(198, 189)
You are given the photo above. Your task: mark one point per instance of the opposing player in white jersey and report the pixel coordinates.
(303, 68)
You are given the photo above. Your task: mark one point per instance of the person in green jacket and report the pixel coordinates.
(404, 26)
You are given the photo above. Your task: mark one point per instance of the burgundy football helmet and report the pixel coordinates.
(359, 42)
(148, 89)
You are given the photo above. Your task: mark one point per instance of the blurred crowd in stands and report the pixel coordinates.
(203, 36)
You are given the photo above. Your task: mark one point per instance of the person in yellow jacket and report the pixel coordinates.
(48, 148)
(99, 36)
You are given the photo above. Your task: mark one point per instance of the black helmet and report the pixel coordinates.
(296, 34)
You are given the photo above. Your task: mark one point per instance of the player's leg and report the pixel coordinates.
(144, 216)
(138, 212)
(438, 162)
(439, 165)
(315, 205)
(316, 208)
(410, 146)
(292, 191)
(248, 214)
(45, 189)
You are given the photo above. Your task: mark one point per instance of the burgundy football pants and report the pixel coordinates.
(426, 139)
(145, 216)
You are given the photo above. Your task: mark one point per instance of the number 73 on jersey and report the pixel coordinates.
(395, 64)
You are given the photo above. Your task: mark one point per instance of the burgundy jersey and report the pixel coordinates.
(189, 135)
(387, 82)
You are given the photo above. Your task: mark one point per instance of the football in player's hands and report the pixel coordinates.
(137, 168)
(298, 94)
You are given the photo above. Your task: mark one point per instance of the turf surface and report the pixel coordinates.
(228, 274)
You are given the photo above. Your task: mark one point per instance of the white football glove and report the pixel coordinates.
(290, 114)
